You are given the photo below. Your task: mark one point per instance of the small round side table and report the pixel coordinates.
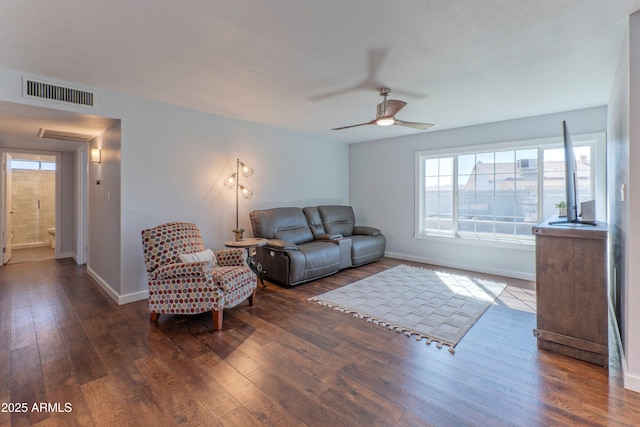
(250, 244)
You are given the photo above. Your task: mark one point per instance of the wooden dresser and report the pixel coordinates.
(571, 288)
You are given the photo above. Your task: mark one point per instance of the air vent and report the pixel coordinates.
(63, 136)
(44, 90)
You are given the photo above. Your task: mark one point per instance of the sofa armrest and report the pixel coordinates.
(368, 231)
(181, 270)
(280, 245)
(231, 257)
(328, 236)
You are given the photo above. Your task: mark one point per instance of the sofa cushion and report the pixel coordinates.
(314, 221)
(294, 234)
(288, 224)
(320, 259)
(206, 255)
(337, 219)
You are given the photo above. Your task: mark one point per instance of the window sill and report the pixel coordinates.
(522, 245)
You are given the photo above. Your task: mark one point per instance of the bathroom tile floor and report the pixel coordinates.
(31, 254)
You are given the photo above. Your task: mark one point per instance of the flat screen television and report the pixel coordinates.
(571, 181)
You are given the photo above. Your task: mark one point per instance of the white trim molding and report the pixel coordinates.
(495, 271)
(119, 299)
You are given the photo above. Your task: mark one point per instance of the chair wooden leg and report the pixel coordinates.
(217, 320)
(154, 317)
(253, 296)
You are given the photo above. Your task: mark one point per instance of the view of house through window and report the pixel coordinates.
(498, 194)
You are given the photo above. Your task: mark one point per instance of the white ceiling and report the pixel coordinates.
(311, 66)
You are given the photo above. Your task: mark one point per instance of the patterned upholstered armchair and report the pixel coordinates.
(184, 278)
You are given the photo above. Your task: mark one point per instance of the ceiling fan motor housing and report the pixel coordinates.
(384, 91)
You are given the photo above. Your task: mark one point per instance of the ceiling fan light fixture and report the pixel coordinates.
(386, 114)
(385, 121)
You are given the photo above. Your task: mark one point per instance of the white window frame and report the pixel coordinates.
(598, 182)
(36, 165)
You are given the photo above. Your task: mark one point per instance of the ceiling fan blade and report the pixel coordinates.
(373, 122)
(377, 58)
(415, 125)
(415, 95)
(393, 106)
(320, 97)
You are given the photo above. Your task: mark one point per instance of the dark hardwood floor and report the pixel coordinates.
(285, 361)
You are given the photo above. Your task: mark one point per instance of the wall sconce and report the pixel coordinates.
(232, 181)
(96, 155)
(96, 159)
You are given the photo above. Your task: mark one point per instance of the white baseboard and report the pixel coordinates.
(630, 381)
(104, 285)
(462, 266)
(67, 255)
(133, 297)
(119, 299)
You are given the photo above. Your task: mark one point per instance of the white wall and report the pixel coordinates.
(385, 171)
(624, 155)
(103, 217)
(172, 163)
(632, 285)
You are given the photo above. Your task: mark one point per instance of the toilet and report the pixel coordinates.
(52, 231)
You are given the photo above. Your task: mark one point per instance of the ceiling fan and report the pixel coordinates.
(387, 111)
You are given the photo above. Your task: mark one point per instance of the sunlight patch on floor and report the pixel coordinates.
(518, 299)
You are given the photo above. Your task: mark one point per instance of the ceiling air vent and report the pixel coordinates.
(63, 136)
(44, 90)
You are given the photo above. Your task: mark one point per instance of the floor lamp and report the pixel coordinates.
(233, 181)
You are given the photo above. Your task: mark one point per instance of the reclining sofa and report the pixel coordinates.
(308, 243)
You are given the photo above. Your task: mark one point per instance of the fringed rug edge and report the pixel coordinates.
(386, 324)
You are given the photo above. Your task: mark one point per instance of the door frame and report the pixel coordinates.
(80, 191)
(82, 203)
(5, 207)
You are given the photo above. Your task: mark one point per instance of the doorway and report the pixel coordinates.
(31, 200)
(66, 135)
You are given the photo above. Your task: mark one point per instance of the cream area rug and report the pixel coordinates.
(428, 304)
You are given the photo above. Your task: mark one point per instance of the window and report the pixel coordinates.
(48, 166)
(498, 192)
(33, 165)
(25, 164)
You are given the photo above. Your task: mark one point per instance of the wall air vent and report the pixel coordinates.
(43, 90)
(63, 136)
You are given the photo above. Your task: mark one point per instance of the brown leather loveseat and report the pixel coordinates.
(308, 243)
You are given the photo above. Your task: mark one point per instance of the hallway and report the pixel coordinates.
(32, 254)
